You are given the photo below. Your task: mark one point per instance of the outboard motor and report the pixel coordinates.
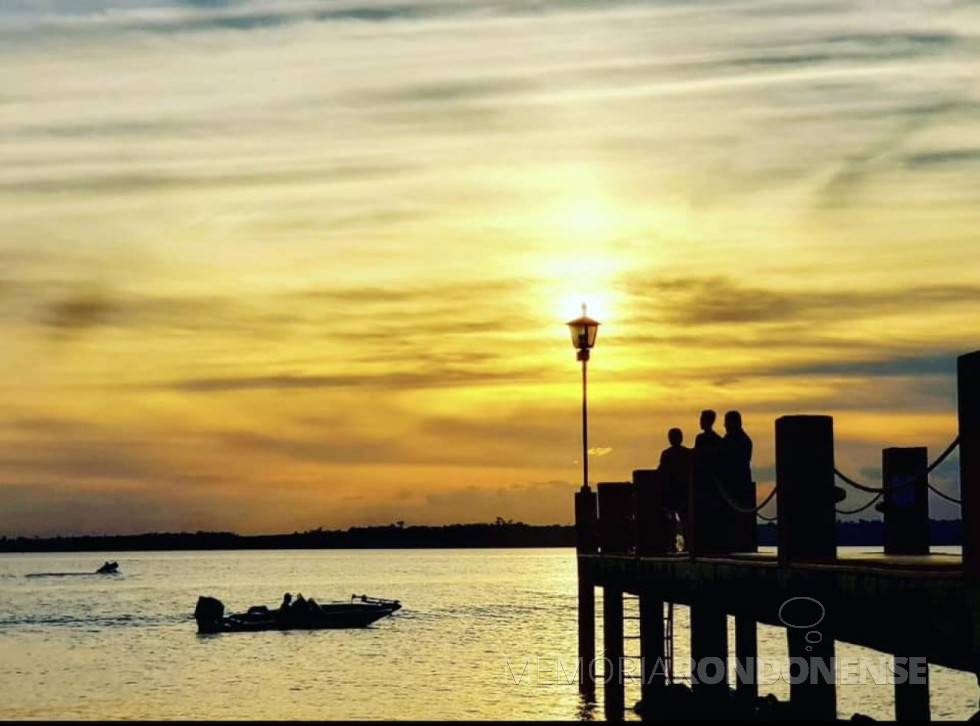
(208, 614)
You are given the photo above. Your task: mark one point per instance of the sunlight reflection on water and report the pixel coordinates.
(126, 647)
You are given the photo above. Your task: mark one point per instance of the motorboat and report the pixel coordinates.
(359, 612)
(108, 568)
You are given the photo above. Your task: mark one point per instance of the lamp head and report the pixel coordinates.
(584, 330)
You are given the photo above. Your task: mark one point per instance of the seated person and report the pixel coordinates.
(300, 606)
(284, 608)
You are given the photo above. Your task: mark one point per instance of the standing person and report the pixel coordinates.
(708, 436)
(707, 520)
(675, 463)
(737, 480)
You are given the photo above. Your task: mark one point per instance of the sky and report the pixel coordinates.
(273, 266)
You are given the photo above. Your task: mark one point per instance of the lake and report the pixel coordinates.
(125, 646)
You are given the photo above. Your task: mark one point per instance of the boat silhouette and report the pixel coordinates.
(359, 612)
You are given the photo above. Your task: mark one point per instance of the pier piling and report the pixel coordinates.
(613, 690)
(968, 400)
(805, 482)
(653, 666)
(905, 507)
(709, 649)
(746, 656)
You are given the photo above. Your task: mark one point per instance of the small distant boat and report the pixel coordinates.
(360, 612)
(107, 568)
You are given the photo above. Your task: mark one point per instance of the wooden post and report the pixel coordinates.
(586, 522)
(806, 493)
(813, 697)
(905, 510)
(968, 399)
(653, 667)
(747, 655)
(613, 690)
(912, 692)
(586, 542)
(709, 648)
(708, 514)
(653, 533)
(586, 632)
(968, 406)
(617, 528)
(912, 701)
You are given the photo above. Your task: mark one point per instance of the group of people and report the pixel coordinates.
(299, 608)
(716, 469)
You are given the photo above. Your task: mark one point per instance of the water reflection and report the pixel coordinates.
(586, 707)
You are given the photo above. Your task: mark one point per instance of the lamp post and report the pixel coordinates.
(584, 330)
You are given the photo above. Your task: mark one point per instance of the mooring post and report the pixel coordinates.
(905, 506)
(653, 667)
(968, 399)
(612, 641)
(617, 526)
(807, 533)
(652, 528)
(709, 649)
(708, 515)
(586, 522)
(805, 483)
(746, 656)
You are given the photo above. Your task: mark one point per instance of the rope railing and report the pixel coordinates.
(738, 507)
(864, 506)
(907, 481)
(944, 496)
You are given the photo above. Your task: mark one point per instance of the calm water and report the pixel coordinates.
(125, 647)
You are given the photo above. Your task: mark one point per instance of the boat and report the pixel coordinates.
(107, 568)
(359, 612)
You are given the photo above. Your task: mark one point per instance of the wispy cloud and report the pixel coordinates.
(224, 219)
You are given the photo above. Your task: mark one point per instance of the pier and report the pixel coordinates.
(919, 607)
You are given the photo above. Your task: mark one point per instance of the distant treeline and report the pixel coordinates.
(503, 533)
(392, 536)
(870, 532)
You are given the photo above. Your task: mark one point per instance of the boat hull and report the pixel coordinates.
(331, 616)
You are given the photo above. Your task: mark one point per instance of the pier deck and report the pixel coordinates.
(919, 605)
(903, 601)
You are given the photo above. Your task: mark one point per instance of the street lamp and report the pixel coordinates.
(584, 330)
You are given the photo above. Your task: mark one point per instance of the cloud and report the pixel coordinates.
(718, 299)
(79, 312)
(236, 214)
(967, 157)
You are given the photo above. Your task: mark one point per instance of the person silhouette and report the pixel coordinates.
(283, 615)
(708, 436)
(675, 464)
(738, 451)
(737, 480)
(707, 520)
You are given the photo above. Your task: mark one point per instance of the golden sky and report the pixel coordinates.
(267, 266)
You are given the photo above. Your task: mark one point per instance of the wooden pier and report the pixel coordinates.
(904, 602)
